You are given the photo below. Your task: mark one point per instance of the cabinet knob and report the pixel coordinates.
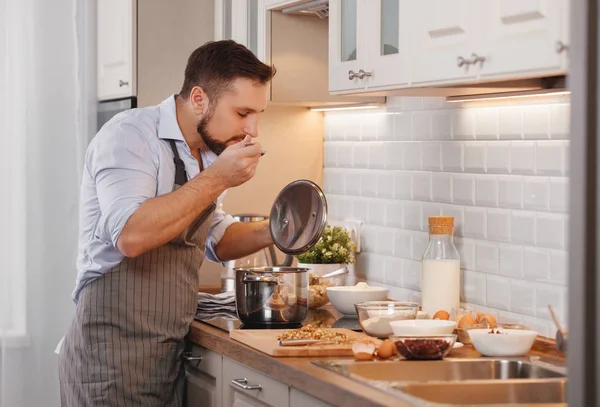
(351, 75)
(123, 83)
(477, 58)
(560, 47)
(243, 384)
(460, 62)
(362, 74)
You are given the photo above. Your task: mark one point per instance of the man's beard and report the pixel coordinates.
(215, 146)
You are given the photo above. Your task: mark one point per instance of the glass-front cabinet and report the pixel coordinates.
(238, 20)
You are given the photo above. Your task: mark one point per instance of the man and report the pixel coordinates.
(150, 210)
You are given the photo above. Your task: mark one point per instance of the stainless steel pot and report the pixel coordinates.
(271, 295)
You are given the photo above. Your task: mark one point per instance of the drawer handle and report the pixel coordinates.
(477, 58)
(460, 62)
(243, 384)
(362, 74)
(561, 47)
(187, 356)
(123, 83)
(351, 75)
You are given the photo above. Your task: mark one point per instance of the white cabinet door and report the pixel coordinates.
(519, 37)
(442, 32)
(116, 48)
(204, 378)
(562, 45)
(388, 44)
(301, 399)
(347, 45)
(244, 387)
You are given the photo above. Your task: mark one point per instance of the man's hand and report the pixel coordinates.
(236, 164)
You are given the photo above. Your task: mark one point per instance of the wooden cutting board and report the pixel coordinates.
(265, 340)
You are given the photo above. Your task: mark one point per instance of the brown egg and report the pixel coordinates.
(441, 314)
(489, 320)
(386, 350)
(466, 321)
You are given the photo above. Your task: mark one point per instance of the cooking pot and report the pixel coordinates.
(279, 295)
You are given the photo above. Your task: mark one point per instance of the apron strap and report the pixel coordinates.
(180, 174)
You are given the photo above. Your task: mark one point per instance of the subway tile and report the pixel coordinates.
(395, 102)
(547, 294)
(385, 185)
(334, 127)
(452, 156)
(536, 122)
(430, 103)
(466, 249)
(510, 192)
(487, 257)
(498, 225)
(498, 157)
(567, 160)
(377, 154)
(560, 121)
(360, 156)
(522, 157)
(385, 126)
(412, 103)
(346, 208)
(522, 228)
(522, 295)
(403, 185)
(368, 126)
(432, 156)
(475, 156)
(335, 182)
(420, 243)
(486, 124)
(385, 242)
(344, 155)
(368, 184)
(550, 158)
(377, 213)
(360, 210)
(463, 189)
(375, 268)
(393, 272)
(558, 266)
(421, 126)
(441, 125)
(542, 327)
(441, 187)
(486, 191)
(536, 193)
(353, 182)
(368, 239)
(536, 263)
(551, 231)
(497, 292)
(394, 215)
(422, 186)
(475, 223)
(510, 123)
(403, 240)
(333, 207)
(463, 124)
(457, 212)
(559, 195)
(511, 261)
(330, 157)
(413, 216)
(412, 156)
(394, 159)
(474, 287)
(403, 126)
(509, 318)
(430, 209)
(411, 274)
(351, 125)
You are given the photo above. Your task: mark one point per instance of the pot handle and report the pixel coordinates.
(289, 259)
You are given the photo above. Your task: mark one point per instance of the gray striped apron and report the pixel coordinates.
(125, 343)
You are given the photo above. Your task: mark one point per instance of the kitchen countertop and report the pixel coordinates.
(328, 386)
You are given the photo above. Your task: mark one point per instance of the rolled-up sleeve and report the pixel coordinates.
(124, 169)
(220, 222)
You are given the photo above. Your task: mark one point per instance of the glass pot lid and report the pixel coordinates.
(298, 217)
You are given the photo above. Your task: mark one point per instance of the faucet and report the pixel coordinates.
(561, 333)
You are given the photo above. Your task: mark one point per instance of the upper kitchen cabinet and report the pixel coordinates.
(116, 48)
(238, 20)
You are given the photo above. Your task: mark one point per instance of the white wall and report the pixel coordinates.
(499, 168)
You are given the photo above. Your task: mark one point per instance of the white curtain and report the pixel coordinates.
(47, 117)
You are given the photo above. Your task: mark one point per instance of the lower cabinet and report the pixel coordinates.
(204, 378)
(301, 399)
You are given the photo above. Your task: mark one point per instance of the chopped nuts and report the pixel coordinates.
(310, 332)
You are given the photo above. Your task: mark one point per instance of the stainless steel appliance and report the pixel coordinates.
(109, 108)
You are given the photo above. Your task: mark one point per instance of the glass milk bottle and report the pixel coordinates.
(440, 273)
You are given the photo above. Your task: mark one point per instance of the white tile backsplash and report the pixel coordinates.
(500, 170)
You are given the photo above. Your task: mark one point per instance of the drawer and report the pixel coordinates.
(211, 363)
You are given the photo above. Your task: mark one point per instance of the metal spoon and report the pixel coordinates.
(249, 143)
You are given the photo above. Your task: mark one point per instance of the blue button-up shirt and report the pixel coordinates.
(129, 161)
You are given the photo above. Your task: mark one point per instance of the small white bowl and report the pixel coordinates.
(510, 342)
(343, 298)
(423, 327)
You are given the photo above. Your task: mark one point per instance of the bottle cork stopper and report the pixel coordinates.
(441, 225)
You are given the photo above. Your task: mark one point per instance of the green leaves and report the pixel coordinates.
(335, 246)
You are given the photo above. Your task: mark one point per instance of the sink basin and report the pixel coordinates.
(486, 393)
(443, 370)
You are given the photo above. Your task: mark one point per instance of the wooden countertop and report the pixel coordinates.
(323, 384)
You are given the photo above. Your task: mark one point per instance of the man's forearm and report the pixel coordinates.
(241, 239)
(161, 219)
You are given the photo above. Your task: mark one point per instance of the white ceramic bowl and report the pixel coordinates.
(343, 298)
(510, 342)
(423, 327)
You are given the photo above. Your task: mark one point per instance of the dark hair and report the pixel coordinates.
(216, 64)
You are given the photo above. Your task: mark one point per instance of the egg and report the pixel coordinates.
(363, 350)
(386, 350)
(466, 321)
(441, 314)
(489, 320)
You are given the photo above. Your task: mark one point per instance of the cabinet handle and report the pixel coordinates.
(123, 83)
(477, 58)
(351, 75)
(460, 61)
(561, 47)
(362, 74)
(243, 384)
(187, 356)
